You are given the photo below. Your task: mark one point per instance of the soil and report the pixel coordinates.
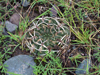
(71, 51)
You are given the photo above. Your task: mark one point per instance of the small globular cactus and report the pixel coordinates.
(46, 33)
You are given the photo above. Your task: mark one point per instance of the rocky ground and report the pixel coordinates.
(72, 56)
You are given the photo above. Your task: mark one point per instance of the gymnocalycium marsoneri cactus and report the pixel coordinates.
(45, 33)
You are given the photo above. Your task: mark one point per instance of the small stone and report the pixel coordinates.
(86, 63)
(15, 19)
(98, 36)
(21, 64)
(53, 11)
(10, 27)
(68, 50)
(74, 47)
(25, 3)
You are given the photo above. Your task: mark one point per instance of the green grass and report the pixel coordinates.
(77, 15)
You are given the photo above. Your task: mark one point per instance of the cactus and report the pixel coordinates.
(45, 34)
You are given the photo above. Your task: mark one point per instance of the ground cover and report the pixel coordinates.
(82, 17)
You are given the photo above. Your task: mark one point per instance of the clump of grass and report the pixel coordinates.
(53, 65)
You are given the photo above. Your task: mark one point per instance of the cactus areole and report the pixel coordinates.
(45, 33)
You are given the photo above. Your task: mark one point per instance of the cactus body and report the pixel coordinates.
(45, 34)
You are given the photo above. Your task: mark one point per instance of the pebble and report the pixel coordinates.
(20, 64)
(53, 11)
(68, 50)
(74, 47)
(10, 27)
(25, 3)
(83, 67)
(15, 19)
